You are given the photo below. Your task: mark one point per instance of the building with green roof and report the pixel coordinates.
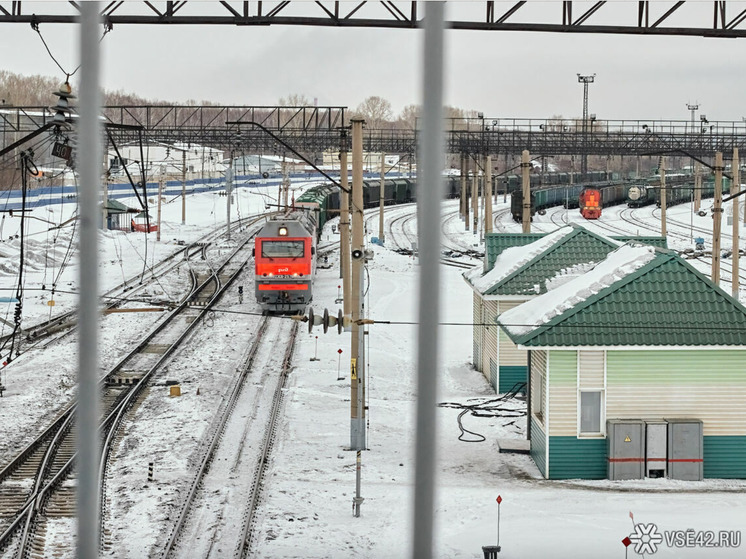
(641, 336)
(519, 267)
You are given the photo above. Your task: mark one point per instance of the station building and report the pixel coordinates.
(517, 268)
(640, 340)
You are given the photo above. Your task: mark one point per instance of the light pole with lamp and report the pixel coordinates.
(585, 80)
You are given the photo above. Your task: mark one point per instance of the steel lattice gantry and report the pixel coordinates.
(310, 130)
(645, 18)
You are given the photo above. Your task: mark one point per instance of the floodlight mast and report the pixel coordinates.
(585, 80)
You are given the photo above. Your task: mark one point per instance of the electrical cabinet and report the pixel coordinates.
(656, 448)
(685, 452)
(625, 448)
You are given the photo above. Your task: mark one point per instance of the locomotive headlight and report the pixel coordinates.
(282, 231)
(295, 275)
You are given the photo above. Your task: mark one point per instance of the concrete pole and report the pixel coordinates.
(525, 166)
(105, 191)
(475, 197)
(285, 183)
(87, 415)
(357, 368)
(466, 192)
(697, 186)
(664, 230)
(381, 198)
(488, 196)
(637, 167)
(183, 186)
(717, 213)
(463, 187)
(428, 336)
(228, 193)
(735, 258)
(160, 193)
(344, 231)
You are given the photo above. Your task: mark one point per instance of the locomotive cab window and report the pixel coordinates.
(282, 249)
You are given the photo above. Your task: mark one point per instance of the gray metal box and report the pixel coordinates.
(685, 456)
(656, 448)
(625, 444)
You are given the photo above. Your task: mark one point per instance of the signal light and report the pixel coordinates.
(282, 231)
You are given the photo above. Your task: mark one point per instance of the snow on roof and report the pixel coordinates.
(537, 312)
(513, 258)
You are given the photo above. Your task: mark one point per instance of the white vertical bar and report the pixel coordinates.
(431, 191)
(89, 168)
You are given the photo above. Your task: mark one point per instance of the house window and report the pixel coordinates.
(540, 401)
(590, 412)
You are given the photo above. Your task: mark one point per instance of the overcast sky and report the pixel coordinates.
(502, 74)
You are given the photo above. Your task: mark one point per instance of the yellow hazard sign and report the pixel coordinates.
(627, 439)
(353, 369)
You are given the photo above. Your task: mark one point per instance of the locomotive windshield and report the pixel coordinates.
(282, 249)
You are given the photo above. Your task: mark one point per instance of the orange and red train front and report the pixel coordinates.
(590, 203)
(284, 267)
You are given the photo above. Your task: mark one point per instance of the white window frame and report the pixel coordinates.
(602, 413)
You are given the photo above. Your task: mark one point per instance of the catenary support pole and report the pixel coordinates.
(432, 151)
(697, 185)
(344, 228)
(89, 153)
(228, 194)
(105, 192)
(663, 197)
(357, 362)
(381, 199)
(467, 193)
(183, 186)
(475, 196)
(488, 196)
(160, 195)
(717, 212)
(526, 190)
(463, 187)
(734, 188)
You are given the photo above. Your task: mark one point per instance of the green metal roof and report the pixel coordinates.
(579, 247)
(666, 302)
(115, 207)
(495, 243)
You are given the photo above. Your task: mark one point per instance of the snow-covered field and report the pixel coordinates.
(307, 509)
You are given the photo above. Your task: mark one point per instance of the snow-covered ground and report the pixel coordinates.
(307, 509)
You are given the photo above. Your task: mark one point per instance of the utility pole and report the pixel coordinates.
(344, 224)
(228, 188)
(694, 107)
(585, 80)
(525, 166)
(463, 186)
(285, 183)
(381, 198)
(466, 193)
(357, 361)
(475, 196)
(183, 186)
(717, 212)
(697, 185)
(105, 185)
(734, 188)
(488, 196)
(662, 172)
(160, 193)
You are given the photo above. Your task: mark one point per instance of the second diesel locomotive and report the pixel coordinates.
(285, 262)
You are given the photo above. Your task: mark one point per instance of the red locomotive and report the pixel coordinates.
(590, 203)
(285, 262)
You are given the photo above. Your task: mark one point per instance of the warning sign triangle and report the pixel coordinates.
(627, 439)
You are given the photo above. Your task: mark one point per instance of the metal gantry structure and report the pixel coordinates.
(645, 17)
(312, 130)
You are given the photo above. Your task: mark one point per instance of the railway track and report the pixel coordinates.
(232, 469)
(42, 475)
